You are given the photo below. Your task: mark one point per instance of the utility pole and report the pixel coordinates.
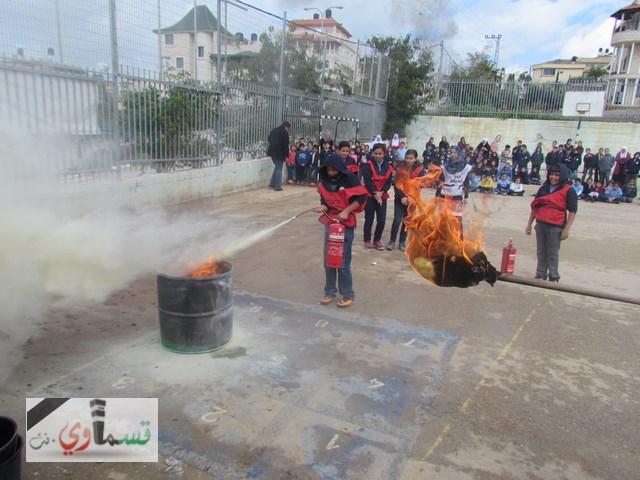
(281, 71)
(441, 60)
(497, 38)
(355, 69)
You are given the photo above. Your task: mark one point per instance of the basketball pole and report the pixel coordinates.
(581, 114)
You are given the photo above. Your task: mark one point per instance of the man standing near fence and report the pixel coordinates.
(278, 150)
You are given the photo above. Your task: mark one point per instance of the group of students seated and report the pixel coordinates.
(504, 185)
(613, 192)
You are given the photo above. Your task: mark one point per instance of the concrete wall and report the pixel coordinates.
(175, 187)
(592, 134)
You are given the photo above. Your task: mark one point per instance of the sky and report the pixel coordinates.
(532, 31)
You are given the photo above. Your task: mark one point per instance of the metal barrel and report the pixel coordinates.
(10, 450)
(196, 314)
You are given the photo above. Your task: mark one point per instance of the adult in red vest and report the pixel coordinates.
(341, 197)
(554, 199)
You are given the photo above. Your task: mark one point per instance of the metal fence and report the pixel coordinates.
(88, 93)
(480, 98)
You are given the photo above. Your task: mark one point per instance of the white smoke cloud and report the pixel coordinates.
(429, 19)
(60, 253)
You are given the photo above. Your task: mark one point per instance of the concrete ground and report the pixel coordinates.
(411, 382)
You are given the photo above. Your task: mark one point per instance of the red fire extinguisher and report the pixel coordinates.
(335, 244)
(508, 258)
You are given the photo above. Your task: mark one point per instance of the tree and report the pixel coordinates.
(478, 67)
(169, 123)
(596, 73)
(475, 86)
(299, 71)
(408, 91)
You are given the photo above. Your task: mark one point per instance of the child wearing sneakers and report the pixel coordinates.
(376, 177)
(341, 197)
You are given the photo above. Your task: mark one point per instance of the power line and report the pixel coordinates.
(451, 58)
(467, 8)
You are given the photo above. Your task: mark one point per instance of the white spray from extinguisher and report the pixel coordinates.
(257, 237)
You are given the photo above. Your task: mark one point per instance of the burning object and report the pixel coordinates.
(196, 311)
(436, 248)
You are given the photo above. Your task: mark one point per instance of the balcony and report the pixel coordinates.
(625, 36)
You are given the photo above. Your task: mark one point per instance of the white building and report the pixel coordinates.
(340, 52)
(189, 44)
(624, 71)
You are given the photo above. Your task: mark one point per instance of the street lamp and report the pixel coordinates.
(324, 47)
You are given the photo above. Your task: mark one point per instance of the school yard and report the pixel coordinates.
(411, 382)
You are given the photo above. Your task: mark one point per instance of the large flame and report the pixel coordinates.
(207, 269)
(436, 248)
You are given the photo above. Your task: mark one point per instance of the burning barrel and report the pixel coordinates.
(196, 312)
(10, 450)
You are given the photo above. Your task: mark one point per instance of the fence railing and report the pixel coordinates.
(156, 126)
(93, 91)
(481, 98)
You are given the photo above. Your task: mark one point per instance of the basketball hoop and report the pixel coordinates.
(583, 108)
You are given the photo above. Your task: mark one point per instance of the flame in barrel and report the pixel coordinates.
(207, 269)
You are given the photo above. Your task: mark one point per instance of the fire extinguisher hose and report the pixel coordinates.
(302, 213)
(330, 217)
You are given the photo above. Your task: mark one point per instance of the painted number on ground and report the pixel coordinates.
(332, 444)
(375, 383)
(211, 417)
(123, 382)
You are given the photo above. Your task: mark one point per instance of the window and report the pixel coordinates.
(179, 62)
(168, 39)
(200, 52)
(548, 72)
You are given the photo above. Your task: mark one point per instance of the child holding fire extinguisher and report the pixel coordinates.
(341, 197)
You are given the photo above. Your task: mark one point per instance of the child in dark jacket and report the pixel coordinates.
(341, 197)
(376, 177)
(401, 201)
(303, 157)
(629, 192)
(534, 176)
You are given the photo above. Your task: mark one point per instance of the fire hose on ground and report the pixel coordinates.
(509, 278)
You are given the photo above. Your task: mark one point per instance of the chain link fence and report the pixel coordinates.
(127, 87)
